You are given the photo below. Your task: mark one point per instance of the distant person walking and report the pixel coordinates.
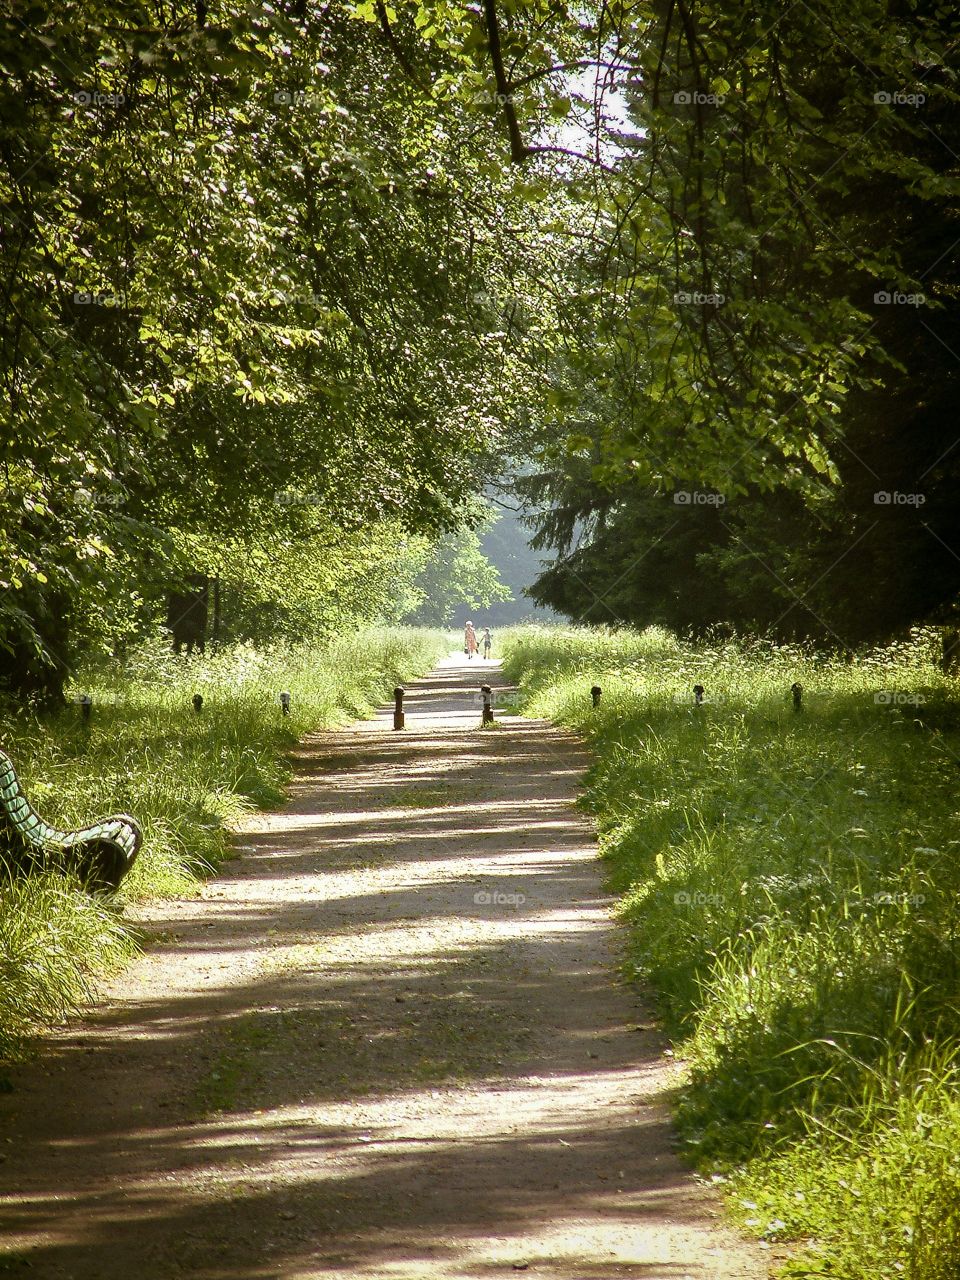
(487, 642)
(469, 640)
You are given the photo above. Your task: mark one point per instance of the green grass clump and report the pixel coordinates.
(54, 940)
(791, 884)
(187, 778)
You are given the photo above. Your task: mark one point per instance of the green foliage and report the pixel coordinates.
(319, 583)
(762, 304)
(789, 882)
(55, 941)
(457, 573)
(255, 253)
(186, 778)
(764, 199)
(228, 279)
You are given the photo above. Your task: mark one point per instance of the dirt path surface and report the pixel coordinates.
(387, 1044)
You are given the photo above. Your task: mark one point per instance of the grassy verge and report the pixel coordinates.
(185, 776)
(791, 882)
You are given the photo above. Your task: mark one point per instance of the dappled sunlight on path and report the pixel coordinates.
(388, 1042)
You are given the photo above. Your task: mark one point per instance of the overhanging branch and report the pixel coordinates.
(518, 151)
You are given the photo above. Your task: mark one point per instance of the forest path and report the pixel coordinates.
(387, 1043)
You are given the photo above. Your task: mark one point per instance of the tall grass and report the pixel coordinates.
(54, 940)
(790, 882)
(185, 776)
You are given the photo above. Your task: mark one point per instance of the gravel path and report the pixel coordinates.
(388, 1043)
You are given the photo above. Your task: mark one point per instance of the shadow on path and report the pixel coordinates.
(388, 1042)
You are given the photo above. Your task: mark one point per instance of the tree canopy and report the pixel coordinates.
(771, 308)
(297, 275)
(247, 267)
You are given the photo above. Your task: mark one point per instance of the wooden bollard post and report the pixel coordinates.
(398, 707)
(595, 693)
(487, 704)
(797, 691)
(86, 706)
(285, 703)
(197, 702)
(698, 695)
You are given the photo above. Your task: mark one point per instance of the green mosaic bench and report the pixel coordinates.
(101, 854)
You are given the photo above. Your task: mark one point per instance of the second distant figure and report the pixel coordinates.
(487, 642)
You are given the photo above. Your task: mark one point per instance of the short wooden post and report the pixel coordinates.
(285, 703)
(197, 702)
(595, 694)
(797, 691)
(487, 704)
(398, 707)
(698, 695)
(86, 706)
